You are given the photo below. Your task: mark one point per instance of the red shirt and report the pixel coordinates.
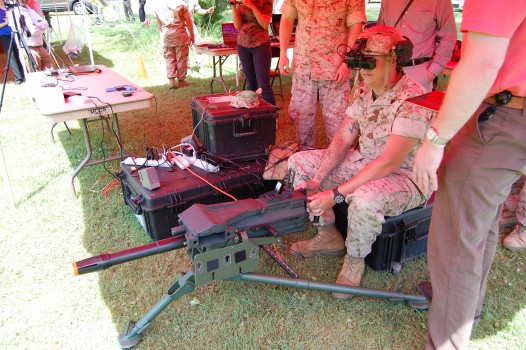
(505, 18)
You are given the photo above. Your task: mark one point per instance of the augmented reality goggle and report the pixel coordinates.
(357, 60)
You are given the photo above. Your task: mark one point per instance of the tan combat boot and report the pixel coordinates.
(328, 241)
(350, 275)
(516, 239)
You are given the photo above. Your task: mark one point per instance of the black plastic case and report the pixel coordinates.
(403, 238)
(157, 210)
(233, 133)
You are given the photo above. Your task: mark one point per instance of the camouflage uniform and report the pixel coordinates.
(322, 32)
(174, 37)
(388, 196)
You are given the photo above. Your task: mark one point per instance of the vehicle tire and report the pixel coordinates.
(77, 8)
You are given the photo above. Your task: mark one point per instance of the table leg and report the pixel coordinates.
(220, 60)
(89, 151)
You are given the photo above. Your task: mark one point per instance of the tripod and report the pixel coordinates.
(16, 39)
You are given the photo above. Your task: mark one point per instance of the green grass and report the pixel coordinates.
(43, 306)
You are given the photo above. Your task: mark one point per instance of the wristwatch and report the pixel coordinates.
(338, 197)
(433, 137)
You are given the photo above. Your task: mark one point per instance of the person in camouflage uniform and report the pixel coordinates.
(375, 180)
(173, 21)
(320, 73)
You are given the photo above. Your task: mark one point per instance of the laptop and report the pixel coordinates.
(229, 32)
(90, 68)
(274, 26)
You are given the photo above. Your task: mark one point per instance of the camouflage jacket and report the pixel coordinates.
(321, 35)
(389, 114)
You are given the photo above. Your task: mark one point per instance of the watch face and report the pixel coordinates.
(339, 199)
(430, 134)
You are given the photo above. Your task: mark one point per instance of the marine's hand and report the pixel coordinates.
(311, 187)
(427, 161)
(343, 73)
(320, 202)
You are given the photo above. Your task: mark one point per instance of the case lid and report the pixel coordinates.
(220, 112)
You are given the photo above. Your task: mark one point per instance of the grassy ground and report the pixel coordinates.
(45, 307)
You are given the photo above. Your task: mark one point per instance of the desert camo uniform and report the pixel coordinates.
(174, 37)
(319, 50)
(389, 196)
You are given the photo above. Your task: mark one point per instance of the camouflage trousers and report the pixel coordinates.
(176, 58)
(333, 99)
(368, 204)
(521, 206)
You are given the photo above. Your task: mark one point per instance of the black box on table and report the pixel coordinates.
(403, 237)
(233, 133)
(157, 210)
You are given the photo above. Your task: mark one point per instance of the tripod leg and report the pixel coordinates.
(132, 334)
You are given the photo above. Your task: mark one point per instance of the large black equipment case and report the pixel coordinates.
(233, 133)
(157, 210)
(403, 237)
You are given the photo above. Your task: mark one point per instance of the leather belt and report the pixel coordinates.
(515, 102)
(417, 61)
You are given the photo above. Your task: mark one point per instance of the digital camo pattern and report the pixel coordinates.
(381, 40)
(321, 32)
(171, 13)
(333, 99)
(391, 195)
(176, 59)
(389, 114)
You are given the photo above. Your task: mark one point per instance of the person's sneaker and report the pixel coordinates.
(19, 82)
(350, 275)
(182, 83)
(516, 239)
(328, 241)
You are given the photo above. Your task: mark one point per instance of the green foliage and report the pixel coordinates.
(209, 25)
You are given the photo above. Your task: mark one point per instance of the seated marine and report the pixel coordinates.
(375, 178)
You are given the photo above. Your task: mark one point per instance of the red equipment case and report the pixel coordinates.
(233, 133)
(157, 210)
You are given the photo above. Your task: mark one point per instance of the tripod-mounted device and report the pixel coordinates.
(223, 242)
(16, 39)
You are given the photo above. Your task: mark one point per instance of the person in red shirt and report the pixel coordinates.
(484, 116)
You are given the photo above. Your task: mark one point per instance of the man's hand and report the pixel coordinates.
(431, 76)
(320, 202)
(312, 187)
(284, 64)
(343, 73)
(211, 10)
(427, 161)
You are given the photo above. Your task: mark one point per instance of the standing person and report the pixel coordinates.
(98, 9)
(173, 21)
(430, 25)
(486, 156)
(194, 7)
(142, 14)
(321, 75)
(376, 180)
(128, 12)
(33, 27)
(114, 7)
(252, 18)
(7, 42)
